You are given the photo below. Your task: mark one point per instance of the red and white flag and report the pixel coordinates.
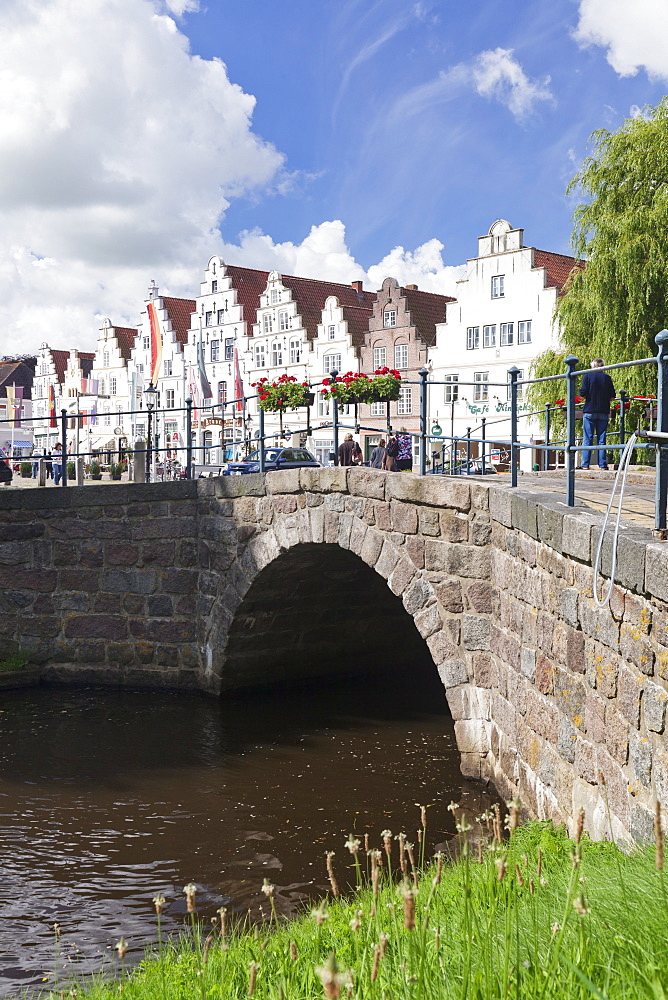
(156, 342)
(238, 384)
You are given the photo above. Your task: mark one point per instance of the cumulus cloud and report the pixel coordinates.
(494, 74)
(119, 152)
(635, 35)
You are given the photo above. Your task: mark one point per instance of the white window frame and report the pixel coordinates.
(112, 386)
(489, 335)
(498, 286)
(146, 342)
(472, 338)
(215, 350)
(520, 388)
(330, 362)
(379, 357)
(331, 332)
(105, 359)
(480, 387)
(405, 402)
(401, 356)
(451, 387)
(277, 354)
(167, 365)
(378, 409)
(295, 351)
(214, 286)
(284, 320)
(222, 393)
(507, 335)
(260, 356)
(229, 348)
(524, 331)
(220, 317)
(389, 318)
(267, 323)
(274, 296)
(169, 399)
(208, 318)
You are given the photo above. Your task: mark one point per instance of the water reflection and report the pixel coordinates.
(107, 798)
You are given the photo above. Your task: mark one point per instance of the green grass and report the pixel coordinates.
(534, 917)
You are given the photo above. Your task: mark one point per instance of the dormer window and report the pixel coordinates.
(331, 332)
(498, 286)
(390, 317)
(275, 296)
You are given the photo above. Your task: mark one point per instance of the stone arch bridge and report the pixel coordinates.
(224, 584)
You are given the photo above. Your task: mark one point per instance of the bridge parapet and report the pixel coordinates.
(154, 584)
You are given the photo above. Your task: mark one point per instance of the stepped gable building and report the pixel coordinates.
(16, 375)
(402, 331)
(503, 316)
(108, 390)
(49, 391)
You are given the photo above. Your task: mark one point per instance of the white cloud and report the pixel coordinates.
(181, 7)
(634, 34)
(494, 74)
(119, 152)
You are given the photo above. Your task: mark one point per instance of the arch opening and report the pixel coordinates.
(318, 611)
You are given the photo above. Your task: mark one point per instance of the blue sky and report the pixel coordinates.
(343, 140)
(364, 100)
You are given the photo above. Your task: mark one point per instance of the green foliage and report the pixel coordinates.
(535, 918)
(95, 468)
(15, 661)
(616, 305)
(26, 468)
(71, 471)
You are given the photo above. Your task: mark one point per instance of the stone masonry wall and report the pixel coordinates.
(553, 699)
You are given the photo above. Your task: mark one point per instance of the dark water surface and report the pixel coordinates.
(108, 798)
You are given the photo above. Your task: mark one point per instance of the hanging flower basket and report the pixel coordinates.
(354, 387)
(285, 393)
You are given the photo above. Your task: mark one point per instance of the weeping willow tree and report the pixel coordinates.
(615, 305)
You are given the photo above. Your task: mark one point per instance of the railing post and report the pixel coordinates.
(483, 445)
(661, 341)
(335, 417)
(261, 418)
(513, 372)
(63, 439)
(454, 457)
(423, 421)
(572, 363)
(546, 453)
(189, 438)
(622, 421)
(468, 448)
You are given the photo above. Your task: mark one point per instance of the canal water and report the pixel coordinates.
(110, 797)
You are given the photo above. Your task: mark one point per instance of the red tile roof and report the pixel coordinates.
(249, 285)
(179, 312)
(557, 266)
(426, 310)
(310, 294)
(86, 362)
(60, 359)
(17, 373)
(358, 322)
(125, 335)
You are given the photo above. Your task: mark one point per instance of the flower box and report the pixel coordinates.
(354, 387)
(285, 393)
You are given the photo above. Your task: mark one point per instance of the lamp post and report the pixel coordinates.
(149, 396)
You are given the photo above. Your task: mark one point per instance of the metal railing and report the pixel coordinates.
(656, 440)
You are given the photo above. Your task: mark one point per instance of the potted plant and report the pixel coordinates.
(115, 471)
(95, 471)
(579, 400)
(355, 387)
(26, 470)
(71, 471)
(650, 407)
(284, 393)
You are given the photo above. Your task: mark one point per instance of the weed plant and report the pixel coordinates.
(528, 914)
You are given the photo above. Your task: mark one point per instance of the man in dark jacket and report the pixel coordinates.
(598, 390)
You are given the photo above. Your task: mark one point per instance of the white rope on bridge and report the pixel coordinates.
(622, 468)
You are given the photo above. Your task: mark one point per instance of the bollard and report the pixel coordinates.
(139, 470)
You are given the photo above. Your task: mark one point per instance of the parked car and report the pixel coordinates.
(474, 468)
(274, 458)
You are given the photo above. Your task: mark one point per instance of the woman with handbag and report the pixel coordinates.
(391, 452)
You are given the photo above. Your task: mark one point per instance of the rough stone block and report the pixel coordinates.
(524, 513)
(544, 679)
(575, 652)
(96, 627)
(475, 632)
(550, 525)
(501, 506)
(429, 523)
(616, 735)
(366, 482)
(636, 647)
(442, 646)
(418, 595)
(485, 670)
(330, 479)
(472, 736)
(595, 718)
(640, 755)
(656, 570)
(402, 576)
(428, 621)
(654, 707)
(403, 517)
(528, 663)
(576, 536)
(569, 695)
(479, 497)
(585, 761)
(373, 543)
(454, 527)
(567, 740)
(480, 530)
(449, 594)
(542, 717)
(599, 624)
(642, 825)
(629, 690)
(453, 672)
(482, 597)
(569, 606)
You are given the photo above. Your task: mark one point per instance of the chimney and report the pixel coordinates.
(357, 285)
(413, 288)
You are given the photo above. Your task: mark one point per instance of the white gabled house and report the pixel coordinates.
(503, 316)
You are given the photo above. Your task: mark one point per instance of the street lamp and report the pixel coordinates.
(149, 396)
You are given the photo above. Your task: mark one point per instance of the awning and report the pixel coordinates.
(18, 444)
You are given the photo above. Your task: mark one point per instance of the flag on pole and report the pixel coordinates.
(238, 384)
(18, 397)
(93, 413)
(52, 407)
(156, 342)
(204, 382)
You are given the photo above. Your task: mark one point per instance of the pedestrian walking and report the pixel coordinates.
(598, 390)
(391, 452)
(405, 453)
(35, 464)
(347, 451)
(57, 462)
(49, 465)
(378, 455)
